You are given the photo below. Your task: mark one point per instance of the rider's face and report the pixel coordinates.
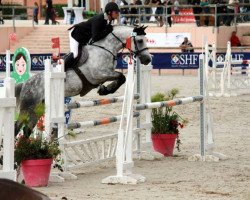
(115, 14)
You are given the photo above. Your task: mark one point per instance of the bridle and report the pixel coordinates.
(135, 53)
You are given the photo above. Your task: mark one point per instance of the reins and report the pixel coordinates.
(136, 52)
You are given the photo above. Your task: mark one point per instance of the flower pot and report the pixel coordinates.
(36, 172)
(164, 143)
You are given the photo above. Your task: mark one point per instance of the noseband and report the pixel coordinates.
(137, 50)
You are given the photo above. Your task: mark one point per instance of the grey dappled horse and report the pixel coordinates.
(99, 68)
(11, 190)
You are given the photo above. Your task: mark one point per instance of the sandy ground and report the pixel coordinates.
(173, 178)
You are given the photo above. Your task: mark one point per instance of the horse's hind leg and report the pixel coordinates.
(112, 87)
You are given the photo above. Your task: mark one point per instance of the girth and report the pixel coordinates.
(85, 83)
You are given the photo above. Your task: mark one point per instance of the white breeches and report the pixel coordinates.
(73, 45)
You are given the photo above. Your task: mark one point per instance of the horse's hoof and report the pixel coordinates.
(102, 90)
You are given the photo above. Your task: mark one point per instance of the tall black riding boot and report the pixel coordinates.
(70, 61)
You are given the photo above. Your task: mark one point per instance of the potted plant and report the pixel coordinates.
(165, 125)
(34, 153)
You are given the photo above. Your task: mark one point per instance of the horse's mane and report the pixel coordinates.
(139, 30)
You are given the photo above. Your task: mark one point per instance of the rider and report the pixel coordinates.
(96, 28)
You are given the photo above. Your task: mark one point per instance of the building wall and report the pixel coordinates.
(94, 4)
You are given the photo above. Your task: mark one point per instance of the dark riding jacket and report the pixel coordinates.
(95, 28)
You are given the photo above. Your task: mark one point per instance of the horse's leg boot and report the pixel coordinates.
(103, 90)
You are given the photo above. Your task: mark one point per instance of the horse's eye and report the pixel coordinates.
(140, 41)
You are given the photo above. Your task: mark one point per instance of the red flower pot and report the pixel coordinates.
(164, 143)
(36, 172)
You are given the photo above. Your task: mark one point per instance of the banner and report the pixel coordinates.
(184, 19)
(166, 39)
(160, 60)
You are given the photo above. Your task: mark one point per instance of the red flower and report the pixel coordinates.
(181, 125)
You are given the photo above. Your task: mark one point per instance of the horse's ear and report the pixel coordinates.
(144, 27)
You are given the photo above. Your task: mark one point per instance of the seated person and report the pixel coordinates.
(185, 46)
(235, 41)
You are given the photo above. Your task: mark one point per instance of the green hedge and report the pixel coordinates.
(18, 11)
(88, 14)
(59, 10)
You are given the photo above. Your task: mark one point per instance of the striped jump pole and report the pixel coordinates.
(80, 104)
(106, 120)
(236, 62)
(170, 103)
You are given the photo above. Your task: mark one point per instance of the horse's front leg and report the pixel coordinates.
(117, 80)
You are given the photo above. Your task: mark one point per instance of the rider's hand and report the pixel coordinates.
(109, 28)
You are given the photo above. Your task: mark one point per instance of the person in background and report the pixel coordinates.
(133, 11)
(1, 13)
(235, 41)
(48, 12)
(93, 30)
(124, 19)
(159, 11)
(197, 10)
(186, 46)
(35, 12)
(169, 12)
(148, 10)
(221, 19)
(176, 7)
(204, 4)
(230, 10)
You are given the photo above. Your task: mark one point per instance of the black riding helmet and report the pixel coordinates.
(111, 6)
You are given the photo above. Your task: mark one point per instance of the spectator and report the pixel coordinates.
(204, 4)
(48, 12)
(124, 11)
(197, 10)
(133, 11)
(230, 10)
(148, 10)
(1, 13)
(220, 10)
(176, 7)
(235, 41)
(186, 46)
(169, 11)
(159, 11)
(35, 12)
(139, 3)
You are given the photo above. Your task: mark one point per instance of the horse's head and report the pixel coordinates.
(139, 45)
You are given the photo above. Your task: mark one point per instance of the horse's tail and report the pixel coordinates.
(18, 89)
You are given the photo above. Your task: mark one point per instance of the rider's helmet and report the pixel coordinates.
(111, 6)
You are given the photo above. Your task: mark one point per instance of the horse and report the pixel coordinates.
(13, 190)
(96, 70)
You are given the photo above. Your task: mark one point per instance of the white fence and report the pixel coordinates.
(7, 119)
(226, 78)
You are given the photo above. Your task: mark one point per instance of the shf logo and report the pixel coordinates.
(175, 59)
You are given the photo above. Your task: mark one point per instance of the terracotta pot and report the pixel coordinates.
(36, 172)
(164, 143)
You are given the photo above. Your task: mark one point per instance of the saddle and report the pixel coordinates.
(71, 62)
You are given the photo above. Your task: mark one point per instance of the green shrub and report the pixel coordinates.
(21, 12)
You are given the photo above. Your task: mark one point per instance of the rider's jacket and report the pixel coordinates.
(95, 28)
